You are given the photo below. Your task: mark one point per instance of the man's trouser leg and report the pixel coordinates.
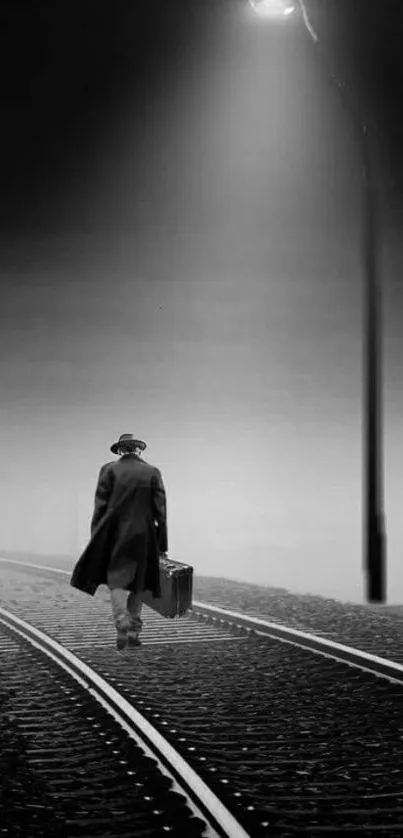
(134, 605)
(121, 616)
(126, 607)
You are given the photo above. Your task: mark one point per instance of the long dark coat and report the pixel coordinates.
(128, 529)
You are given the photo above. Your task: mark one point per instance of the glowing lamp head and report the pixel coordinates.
(272, 9)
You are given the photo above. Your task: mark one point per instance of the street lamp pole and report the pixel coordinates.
(374, 517)
(374, 530)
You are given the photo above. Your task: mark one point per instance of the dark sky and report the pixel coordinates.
(68, 71)
(180, 234)
(68, 68)
(363, 40)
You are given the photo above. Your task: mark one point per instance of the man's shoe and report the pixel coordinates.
(121, 641)
(133, 640)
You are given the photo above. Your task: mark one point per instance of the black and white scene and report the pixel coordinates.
(201, 439)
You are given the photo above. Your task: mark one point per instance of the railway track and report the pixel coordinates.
(377, 630)
(289, 734)
(99, 768)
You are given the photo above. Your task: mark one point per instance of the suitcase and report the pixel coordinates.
(176, 580)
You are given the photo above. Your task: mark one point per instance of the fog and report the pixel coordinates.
(205, 294)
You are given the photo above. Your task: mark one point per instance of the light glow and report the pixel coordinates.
(272, 9)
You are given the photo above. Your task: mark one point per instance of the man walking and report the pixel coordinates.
(128, 534)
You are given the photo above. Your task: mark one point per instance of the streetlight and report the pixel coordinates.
(374, 547)
(272, 9)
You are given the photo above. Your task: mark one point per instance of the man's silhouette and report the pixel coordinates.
(128, 534)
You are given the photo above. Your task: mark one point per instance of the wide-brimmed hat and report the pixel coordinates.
(127, 441)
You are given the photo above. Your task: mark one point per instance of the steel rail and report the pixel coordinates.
(349, 655)
(205, 804)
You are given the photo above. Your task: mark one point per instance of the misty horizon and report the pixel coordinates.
(181, 260)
